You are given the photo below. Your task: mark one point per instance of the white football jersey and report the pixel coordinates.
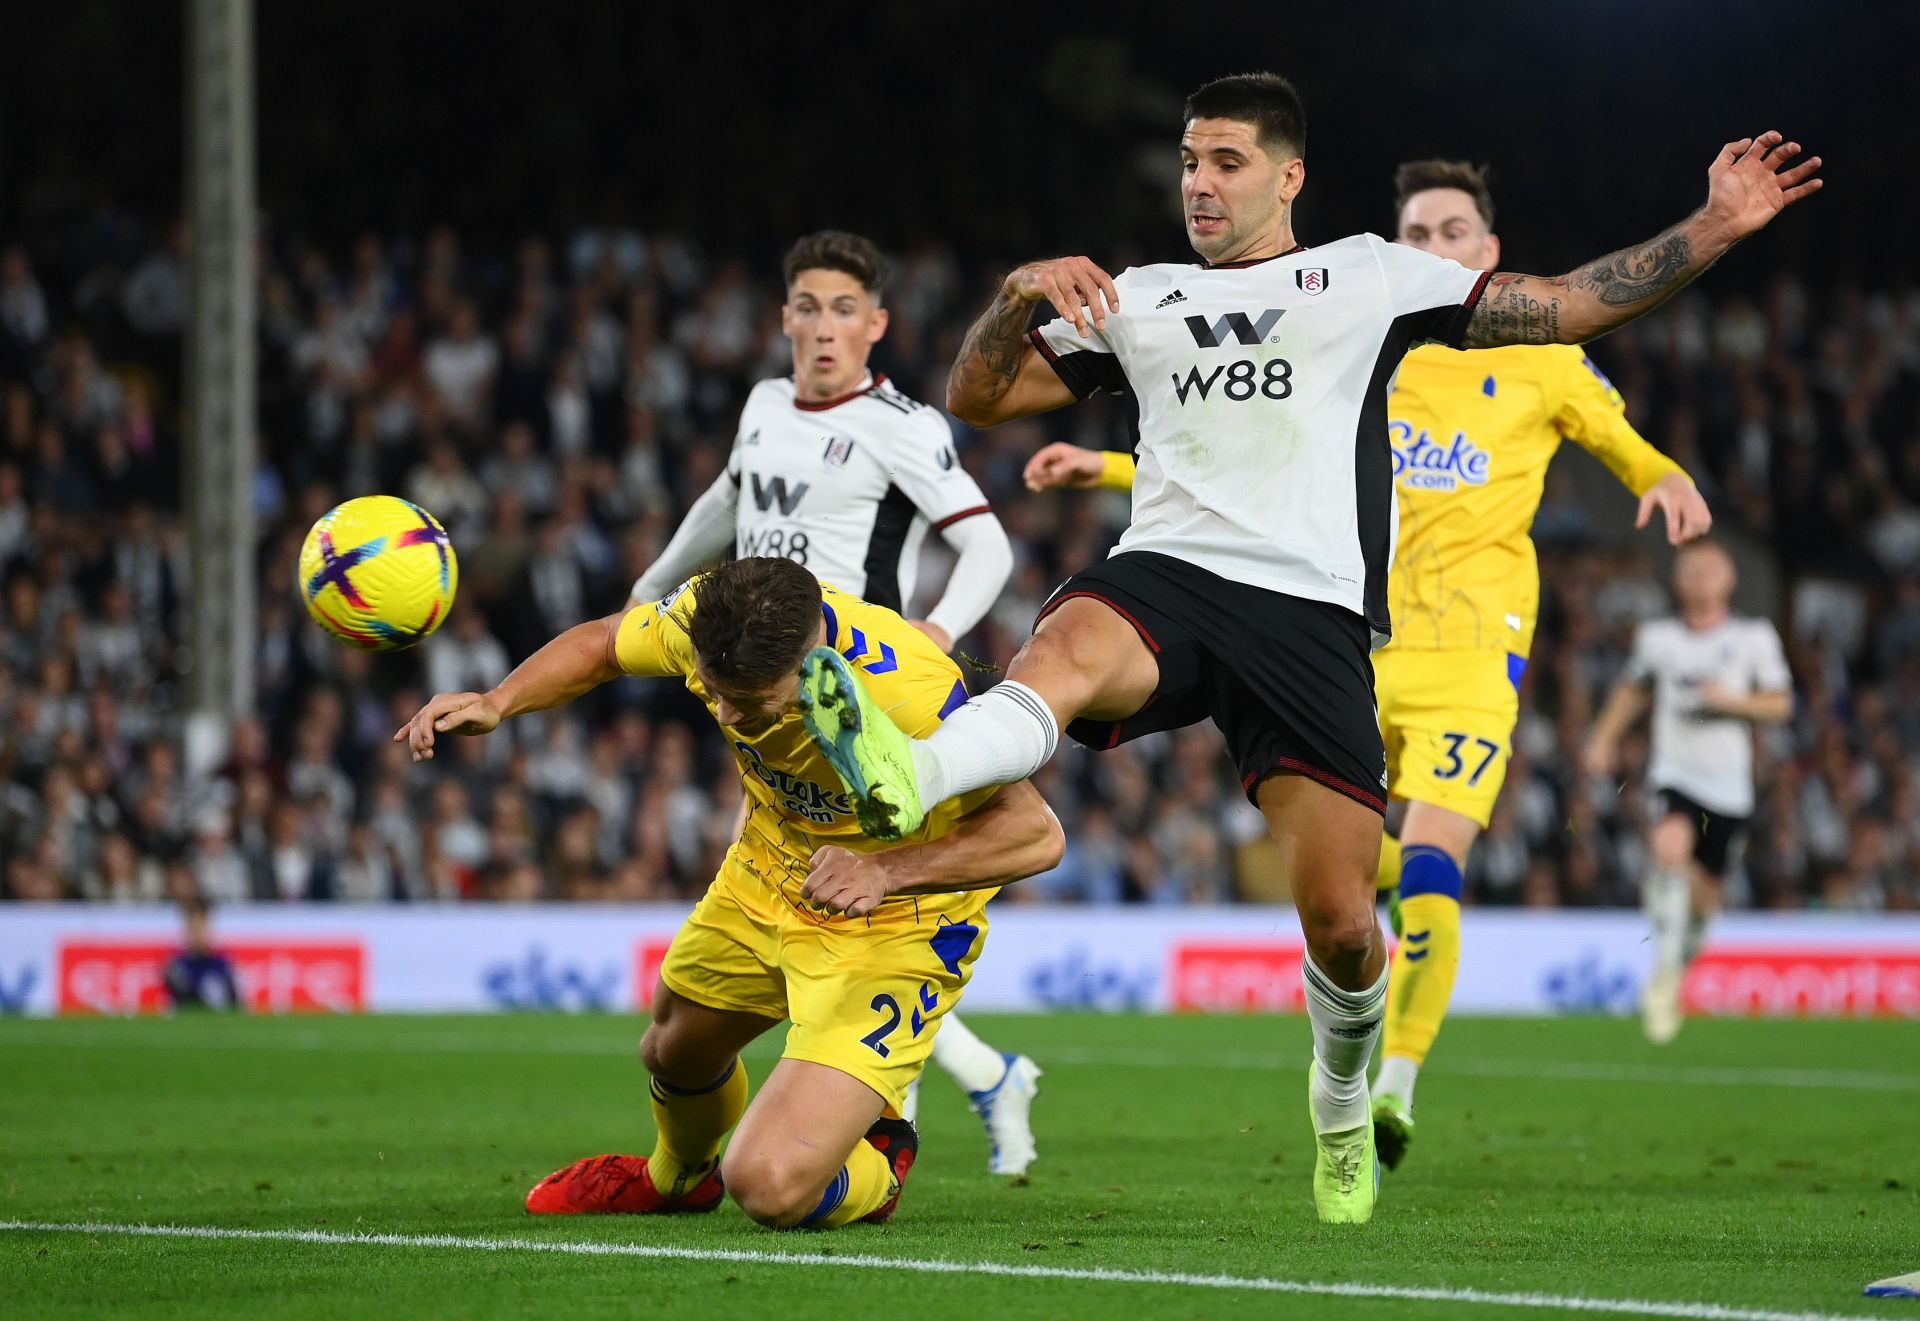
(1262, 389)
(848, 486)
(1707, 757)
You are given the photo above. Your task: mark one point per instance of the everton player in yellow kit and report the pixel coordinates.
(1472, 435)
(863, 948)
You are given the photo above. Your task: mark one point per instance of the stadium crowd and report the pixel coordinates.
(558, 405)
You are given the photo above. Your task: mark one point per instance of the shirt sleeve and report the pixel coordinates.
(924, 465)
(1088, 366)
(1594, 416)
(1434, 296)
(1771, 673)
(704, 536)
(985, 563)
(1640, 661)
(1117, 469)
(652, 641)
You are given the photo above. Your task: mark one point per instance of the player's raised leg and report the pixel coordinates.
(1084, 660)
(815, 1151)
(698, 1091)
(1433, 848)
(1329, 847)
(999, 1086)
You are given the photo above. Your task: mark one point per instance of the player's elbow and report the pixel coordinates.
(1046, 841)
(975, 412)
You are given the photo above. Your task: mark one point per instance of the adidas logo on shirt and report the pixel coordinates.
(1175, 297)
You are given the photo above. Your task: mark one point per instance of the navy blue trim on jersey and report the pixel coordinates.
(892, 519)
(1086, 372)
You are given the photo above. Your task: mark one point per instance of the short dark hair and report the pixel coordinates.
(1266, 100)
(837, 250)
(1418, 176)
(752, 621)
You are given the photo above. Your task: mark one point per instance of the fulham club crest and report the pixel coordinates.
(839, 449)
(1311, 279)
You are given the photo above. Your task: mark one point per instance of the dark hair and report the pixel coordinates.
(837, 250)
(1418, 176)
(751, 621)
(1265, 100)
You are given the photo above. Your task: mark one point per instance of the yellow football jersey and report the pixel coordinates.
(796, 802)
(1473, 432)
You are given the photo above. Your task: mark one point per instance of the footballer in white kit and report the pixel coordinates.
(836, 469)
(1251, 585)
(1708, 676)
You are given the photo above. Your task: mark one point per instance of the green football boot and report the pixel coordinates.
(871, 755)
(1392, 1128)
(1346, 1170)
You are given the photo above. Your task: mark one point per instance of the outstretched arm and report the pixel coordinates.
(999, 375)
(1011, 836)
(1748, 184)
(576, 662)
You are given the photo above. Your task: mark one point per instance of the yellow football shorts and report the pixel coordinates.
(1447, 719)
(864, 994)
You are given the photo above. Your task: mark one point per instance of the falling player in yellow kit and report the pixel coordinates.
(864, 948)
(1472, 433)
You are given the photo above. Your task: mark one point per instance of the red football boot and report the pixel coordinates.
(897, 1140)
(618, 1185)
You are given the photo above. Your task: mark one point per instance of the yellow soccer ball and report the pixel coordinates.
(378, 573)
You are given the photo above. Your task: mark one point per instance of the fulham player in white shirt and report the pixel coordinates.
(1251, 584)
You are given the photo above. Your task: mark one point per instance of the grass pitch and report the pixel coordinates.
(1763, 1168)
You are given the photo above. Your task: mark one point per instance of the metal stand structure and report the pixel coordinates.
(220, 367)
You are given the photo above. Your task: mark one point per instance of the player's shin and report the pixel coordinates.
(861, 1187)
(691, 1123)
(1425, 965)
(965, 1058)
(1000, 737)
(1345, 1026)
(1664, 896)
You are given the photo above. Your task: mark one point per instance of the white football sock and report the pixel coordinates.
(1345, 1026)
(1397, 1076)
(1000, 737)
(1696, 939)
(1664, 897)
(969, 1061)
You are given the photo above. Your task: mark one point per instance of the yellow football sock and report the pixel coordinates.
(1428, 957)
(864, 1182)
(691, 1124)
(1389, 874)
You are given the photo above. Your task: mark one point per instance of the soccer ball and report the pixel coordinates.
(378, 573)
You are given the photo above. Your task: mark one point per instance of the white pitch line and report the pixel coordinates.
(940, 1266)
(71, 1035)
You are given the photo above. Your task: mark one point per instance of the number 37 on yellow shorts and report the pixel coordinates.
(1447, 719)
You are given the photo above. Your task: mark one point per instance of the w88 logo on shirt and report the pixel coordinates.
(1239, 380)
(774, 543)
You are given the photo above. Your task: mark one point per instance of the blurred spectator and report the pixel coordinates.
(199, 976)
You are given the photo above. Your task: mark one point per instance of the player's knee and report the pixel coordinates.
(673, 1057)
(1337, 936)
(773, 1192)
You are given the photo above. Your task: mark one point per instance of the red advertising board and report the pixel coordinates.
(1767, 982)
(274, 976)
(648, 955)
(1246, 976)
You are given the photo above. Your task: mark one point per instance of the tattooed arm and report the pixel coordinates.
(1748, 184)
(999, 375)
